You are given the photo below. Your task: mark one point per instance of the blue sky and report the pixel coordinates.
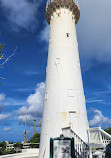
(23, 26)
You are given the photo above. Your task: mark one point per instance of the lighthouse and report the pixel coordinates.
(64, 100)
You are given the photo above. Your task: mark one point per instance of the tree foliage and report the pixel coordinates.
(1, 50)
(35, 138)
(8, 151)
(3, 60)
(108, 151)
(4, 150)
(3, 144)
(108, 130)
(1, 54)
(18, 145)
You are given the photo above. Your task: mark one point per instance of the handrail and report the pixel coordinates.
(81, 148)
(98, 139)
(99, 136)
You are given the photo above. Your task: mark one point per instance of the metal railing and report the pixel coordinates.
(50, 1)
(81, 148)
(98, 137)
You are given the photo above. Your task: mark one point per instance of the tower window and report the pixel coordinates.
(57, 61)
(77, 63)
(67, 35)
(70, 92)
(46, 96)
(58, 14)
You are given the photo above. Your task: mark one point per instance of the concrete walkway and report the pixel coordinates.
(26, 153)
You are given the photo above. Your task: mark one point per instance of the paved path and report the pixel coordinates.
(20, 156)
(27, 153)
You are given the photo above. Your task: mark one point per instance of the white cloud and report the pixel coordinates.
(2, 98)
(22, 119)
(22, 90)
(13, 102)
(93, 30)
(34, 104)
(7, 129)
(35, 101)
(21, 13)
(95, 100)
(44, 34)
(30, 73)
(99, 119)
(4, 116)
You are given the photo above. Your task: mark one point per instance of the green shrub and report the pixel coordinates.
(18, 145)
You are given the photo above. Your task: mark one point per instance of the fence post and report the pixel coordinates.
(90, 152)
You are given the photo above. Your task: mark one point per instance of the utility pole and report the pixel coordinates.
(25, 133)
(40, 126)
(34, 124)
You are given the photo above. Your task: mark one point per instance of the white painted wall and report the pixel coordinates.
(64, 88)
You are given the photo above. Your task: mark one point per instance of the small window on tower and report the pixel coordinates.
(57, 61)
(46, 95)
(70, 92)
(67, 35)
(77, 63)
(58, 14)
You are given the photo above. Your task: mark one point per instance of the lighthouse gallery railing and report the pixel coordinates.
(50, 1)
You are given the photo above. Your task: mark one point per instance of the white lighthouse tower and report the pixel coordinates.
(64, 102)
